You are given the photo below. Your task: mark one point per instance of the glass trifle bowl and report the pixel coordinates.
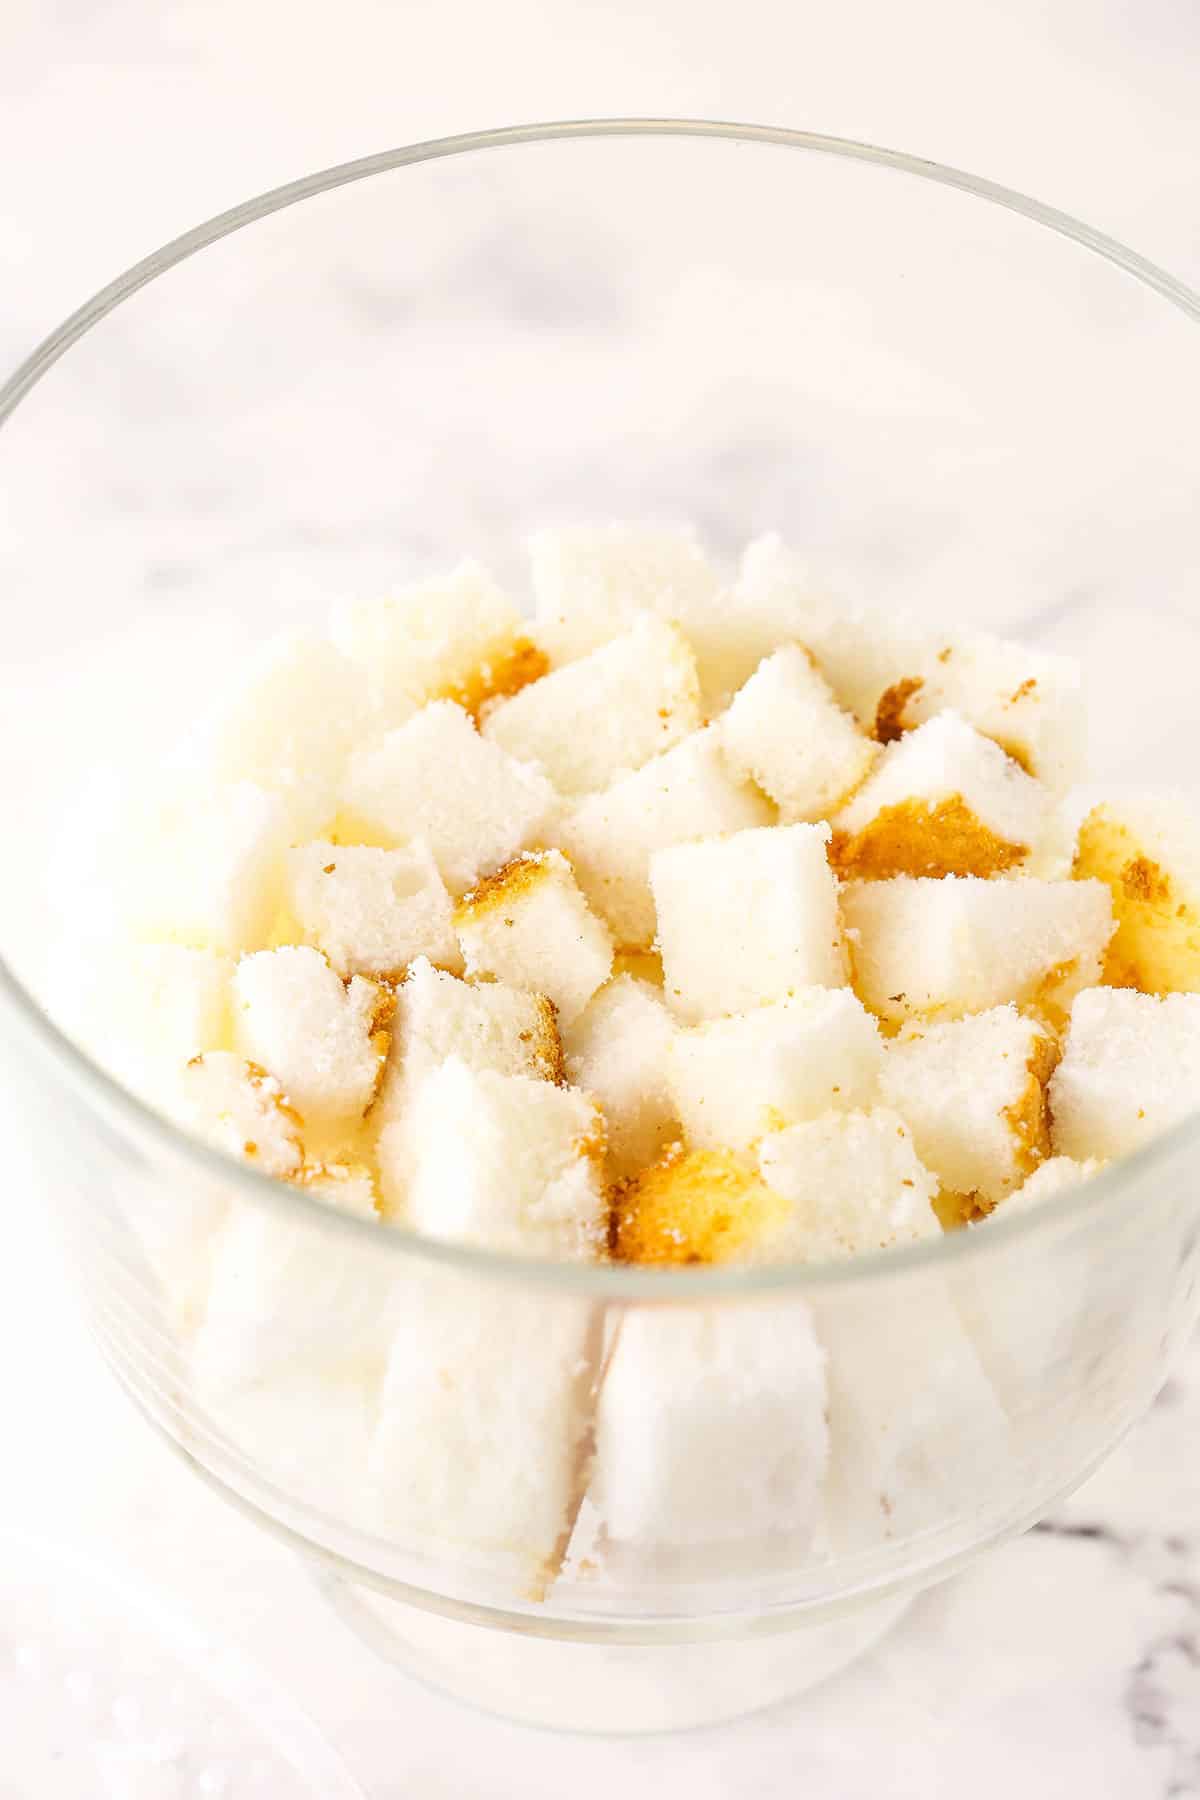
(958, 403)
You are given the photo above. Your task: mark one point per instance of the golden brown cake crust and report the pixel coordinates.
(505, 887)
(699, 1206)
(1029, 1114)
(503, 672)
(914, 838)
(889, 709)
(1156, 946)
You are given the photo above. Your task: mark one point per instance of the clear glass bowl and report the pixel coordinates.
(955, 400)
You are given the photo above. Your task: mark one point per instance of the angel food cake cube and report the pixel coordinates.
(894, 675)
(480, 1449)
(325, 1039)
(785, 731)
(974, 1092)
(289, 725)
(746, 919)
(711, 1441)
(1130, 1069)
(860, 651)
(289, 1356)
(733, 1080)
(486, 1025)
(173, 1003)
(456, 637)
(925, 949)
(507, 1162)
(436, 779)
(590, 583)
(853, 1183)
(1146, 849)
(918, 1437)
(1028, 701)
(694, 1206)
(617, 1051)
(687, 793)
(607, 713)
(942, 801)
(240, 1108)
(371, 911)
(1051, 1179)
(529, 925)
(208, 870)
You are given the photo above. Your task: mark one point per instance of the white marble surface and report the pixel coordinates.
(1066, 1663)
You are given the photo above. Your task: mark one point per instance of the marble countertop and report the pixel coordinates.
(1067, 1662)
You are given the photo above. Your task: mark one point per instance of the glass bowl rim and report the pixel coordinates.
(103, 1095)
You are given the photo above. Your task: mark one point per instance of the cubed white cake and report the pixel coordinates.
(241, 1109)
(746, 919)
(371, 911)
(289, 723)
(1056, 1176)
(617, 1051)
(607, 713)
(855, 1184)
(733, 1080)
(485, 1025)
(435, 778)
(1146, 847)
(1029, 701)
(289, 1357)
(590, 583)
(860, 651)
(687, 793)
(711, 1442)
(350, 1186)
(693, 1206)
(164, 1004)
(529, 926)
(506, 1162)
(208, 868)
(893, 674)
(1130, 1070)
(942, 800)
(918, 1438)
(785, 730)
(974, 1092)
(480, 1447)
(429, 640)
(923, 948)
(1038, 1315)
(325, 1039)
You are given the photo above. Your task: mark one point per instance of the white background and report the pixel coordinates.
(123, 122)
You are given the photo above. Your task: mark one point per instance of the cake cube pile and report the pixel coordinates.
(674, 920)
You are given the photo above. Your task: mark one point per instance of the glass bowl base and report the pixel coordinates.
(606, 1688)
